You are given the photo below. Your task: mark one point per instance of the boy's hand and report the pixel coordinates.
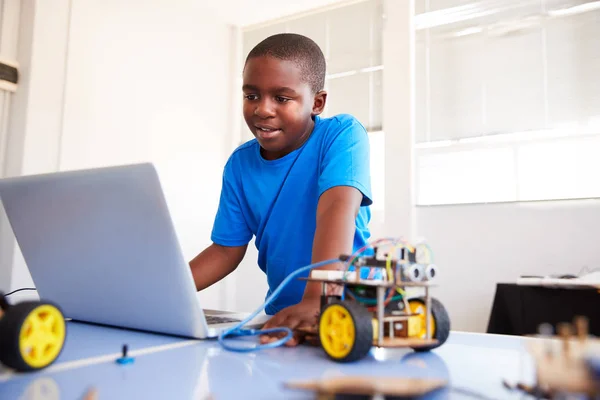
(303, 314)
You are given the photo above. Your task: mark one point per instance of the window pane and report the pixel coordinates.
(590, 45)
(559, 170)
(349, 95)
(514, 82)
(254, 37)
(314, 27)
(350, 38)
(421, 79)
(376, 106)
(456, 78)
(565, 83)
(377, 158)
(473, 176)
(517, 81)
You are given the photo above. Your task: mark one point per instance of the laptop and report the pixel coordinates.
(101, 244)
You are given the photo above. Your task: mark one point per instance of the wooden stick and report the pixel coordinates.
(565, 331)
(581, 327)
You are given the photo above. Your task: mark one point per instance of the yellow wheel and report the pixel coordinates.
(439, 322)
(33, 335)
(345, 331)
(417, 325)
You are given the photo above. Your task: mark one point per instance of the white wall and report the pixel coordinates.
(144, 81)
(477, 246)
(34, 125)
(9, 36)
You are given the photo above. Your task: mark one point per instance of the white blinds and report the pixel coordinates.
(508, 100)
(494, 67)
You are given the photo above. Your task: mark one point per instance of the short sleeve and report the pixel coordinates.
(346, 158)
(230, 227)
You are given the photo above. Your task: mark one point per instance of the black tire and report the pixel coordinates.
(10, 329)
(442, 323)
(363, 331)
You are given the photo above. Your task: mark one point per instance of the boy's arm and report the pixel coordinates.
(336, 215)
(215, 263)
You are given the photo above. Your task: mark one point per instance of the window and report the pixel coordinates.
(350, 37)
(508, 100)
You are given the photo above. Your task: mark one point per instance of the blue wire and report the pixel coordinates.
(237, 330)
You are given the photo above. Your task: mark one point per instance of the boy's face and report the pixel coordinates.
(279, 105)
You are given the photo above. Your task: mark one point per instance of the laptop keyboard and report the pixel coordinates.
(213, 319)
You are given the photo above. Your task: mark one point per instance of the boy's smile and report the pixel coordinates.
(279, 105)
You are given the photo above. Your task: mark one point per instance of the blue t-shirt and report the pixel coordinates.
(276, 201)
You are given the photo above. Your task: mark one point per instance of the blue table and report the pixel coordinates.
(173, 368)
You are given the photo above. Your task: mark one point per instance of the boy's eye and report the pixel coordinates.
(250, 97)
(281, 99)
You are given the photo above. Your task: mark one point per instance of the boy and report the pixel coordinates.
(301, 187)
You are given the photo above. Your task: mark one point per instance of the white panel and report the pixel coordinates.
(421, 6)
(313, 26)
(590, 46)
(421, 88)
(435, 5)
(377, 159)
(442, 69)
(349, 95)
(559, 170)
(566, 84)
(398, 118)
(349, 37)
(514, 82)
(457, 72)
(474, 176)
(376, 32)
(376, 106)
(254, 37)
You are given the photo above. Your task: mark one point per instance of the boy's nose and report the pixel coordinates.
(264, 109)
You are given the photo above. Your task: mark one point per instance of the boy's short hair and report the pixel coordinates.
(302, 51)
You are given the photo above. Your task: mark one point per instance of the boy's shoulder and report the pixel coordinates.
(342, 121)
(344, 127)
(243, 151)
(246, 147)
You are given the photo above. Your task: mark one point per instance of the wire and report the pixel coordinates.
(429, 251)
(237, 331)
(388, 264)
(358, 252)
(366, 300)
(19, 290)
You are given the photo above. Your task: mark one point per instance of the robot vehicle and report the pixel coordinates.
(359, 312)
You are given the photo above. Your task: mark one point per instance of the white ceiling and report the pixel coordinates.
(249, 12)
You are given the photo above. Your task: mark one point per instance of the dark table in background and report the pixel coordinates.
(519, 310)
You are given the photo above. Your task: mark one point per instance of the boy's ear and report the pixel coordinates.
(319, 102)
